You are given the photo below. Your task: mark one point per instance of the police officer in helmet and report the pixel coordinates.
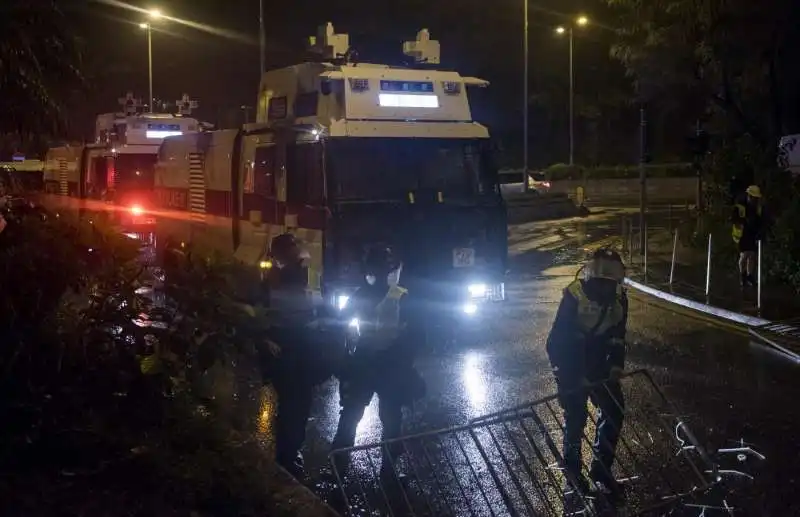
(295, 369)
(381, 358)
(587, 346)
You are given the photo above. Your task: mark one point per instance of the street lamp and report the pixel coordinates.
(580, 21)
(525, 98)
(154, 14)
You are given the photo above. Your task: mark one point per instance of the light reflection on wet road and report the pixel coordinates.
(726, 390)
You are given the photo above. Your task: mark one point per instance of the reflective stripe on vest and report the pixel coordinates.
(382, 327)
(738, 229)
(595, 319)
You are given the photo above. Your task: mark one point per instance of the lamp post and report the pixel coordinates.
(581, 21)
(525, 98)
(154, 14)
(261, 39)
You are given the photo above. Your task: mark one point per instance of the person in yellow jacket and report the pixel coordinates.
(586, 346)
(747, 230)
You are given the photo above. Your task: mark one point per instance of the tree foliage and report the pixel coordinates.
(733, 63)
(734, 58)
(39, 66)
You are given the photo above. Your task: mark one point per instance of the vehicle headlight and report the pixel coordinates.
(469, 308)
(354, 328)
(341, 301)
(478, 290)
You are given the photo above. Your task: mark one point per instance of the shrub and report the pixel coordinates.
(115, 404)
(750, 163)
(562, 171)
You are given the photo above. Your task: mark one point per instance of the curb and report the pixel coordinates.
(725, 318)
(709, 310)
(292, 498)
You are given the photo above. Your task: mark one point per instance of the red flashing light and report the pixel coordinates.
(136, 210)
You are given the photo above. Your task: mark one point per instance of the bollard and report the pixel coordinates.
(758, 280)
(674, 251)
(708, 267)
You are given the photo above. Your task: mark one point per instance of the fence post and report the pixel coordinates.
(708, 267)
(630, 241)
(758, 280)
(624, 234)
(674, 251)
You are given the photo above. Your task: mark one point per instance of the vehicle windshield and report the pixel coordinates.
(386, 169)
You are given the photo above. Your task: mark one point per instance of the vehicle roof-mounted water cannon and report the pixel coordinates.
(329, 45)
(186, 105)
(424, 50)
(130, 104)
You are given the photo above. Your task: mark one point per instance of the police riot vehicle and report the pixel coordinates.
(345, 156)
(115, 173)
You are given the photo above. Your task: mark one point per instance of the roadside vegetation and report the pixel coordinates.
(113, 403)
(562, 171)
(729, 69)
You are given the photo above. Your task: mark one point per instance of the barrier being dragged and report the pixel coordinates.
(509, 464)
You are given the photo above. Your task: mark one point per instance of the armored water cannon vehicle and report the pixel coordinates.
(115, 172)
(345, 155)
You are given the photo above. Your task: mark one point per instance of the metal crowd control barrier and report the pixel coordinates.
(508, 464)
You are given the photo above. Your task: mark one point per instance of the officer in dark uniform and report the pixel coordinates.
(296, 369)
(382, 343)
(586, 346)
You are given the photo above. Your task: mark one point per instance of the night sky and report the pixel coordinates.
(220, 69)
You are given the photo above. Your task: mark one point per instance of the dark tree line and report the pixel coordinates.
(733, 62)
(728, 63)
(40, 70)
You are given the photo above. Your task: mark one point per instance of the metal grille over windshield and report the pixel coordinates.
(384, 169)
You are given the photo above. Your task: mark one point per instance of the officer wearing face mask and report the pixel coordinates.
(586, 346)
(294, 367)
(382, 341)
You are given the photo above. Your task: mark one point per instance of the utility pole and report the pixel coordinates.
(262, 42)
(150, 65)
(642, 179)
(571, 96)
(525, 99)
(699, 166)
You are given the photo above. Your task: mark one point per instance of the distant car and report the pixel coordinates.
(511, 182)
(538, 182)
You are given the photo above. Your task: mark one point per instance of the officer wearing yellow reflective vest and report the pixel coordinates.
(587, 346)
(747, 230)
(382, 346)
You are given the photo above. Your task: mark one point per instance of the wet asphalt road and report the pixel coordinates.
(723, 386)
